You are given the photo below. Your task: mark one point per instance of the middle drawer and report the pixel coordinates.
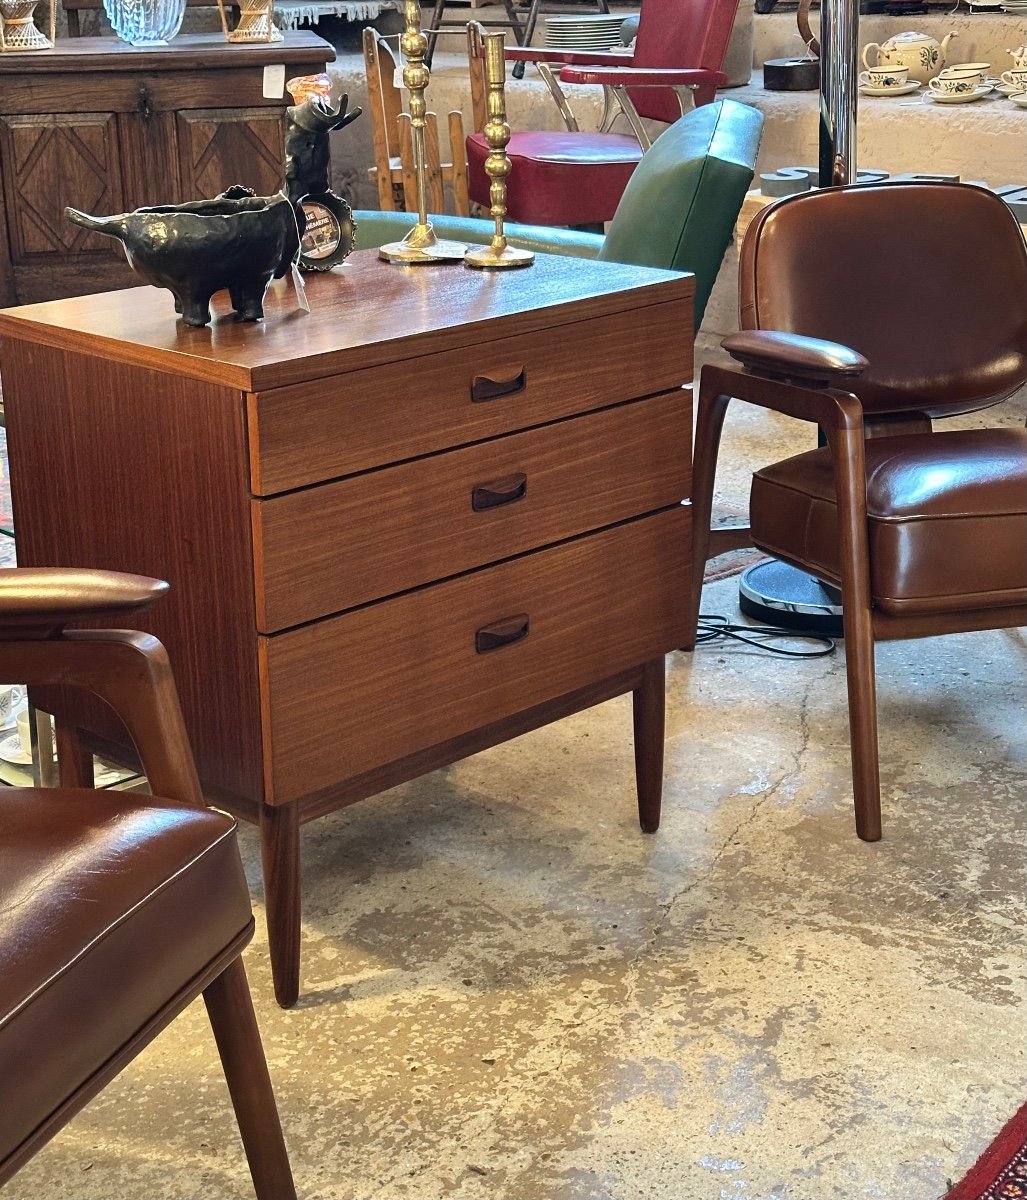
(332, 547)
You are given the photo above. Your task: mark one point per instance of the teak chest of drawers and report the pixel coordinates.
(442, 508)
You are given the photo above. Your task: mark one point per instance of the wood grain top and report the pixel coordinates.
(363, 314)
(186, 52)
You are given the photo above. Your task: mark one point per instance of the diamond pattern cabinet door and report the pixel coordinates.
(52, 161)
(149, 157)
(219, 148)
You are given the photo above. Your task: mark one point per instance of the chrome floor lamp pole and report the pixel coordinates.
(773, 591)
(839, 68)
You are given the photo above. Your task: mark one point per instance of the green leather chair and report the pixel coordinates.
(678, 211)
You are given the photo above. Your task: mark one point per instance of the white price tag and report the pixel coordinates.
(301, 288)
(274, 81)
(397, 78)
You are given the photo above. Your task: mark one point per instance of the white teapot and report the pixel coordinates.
(1019, 58)
(921, 54)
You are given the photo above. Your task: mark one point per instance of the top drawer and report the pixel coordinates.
(332, 427)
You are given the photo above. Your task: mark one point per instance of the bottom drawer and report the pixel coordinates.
(361, 690)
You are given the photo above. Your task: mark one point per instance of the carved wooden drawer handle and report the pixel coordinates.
(501, 633)
(485, 388)
(499, 492)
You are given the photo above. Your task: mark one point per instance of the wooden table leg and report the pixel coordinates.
(650, 699)
(280, 852)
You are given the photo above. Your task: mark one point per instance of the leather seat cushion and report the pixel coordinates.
(109, 906)
(558, 178)
(947, 515)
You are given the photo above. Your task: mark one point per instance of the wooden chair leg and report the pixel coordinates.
(280, 853)
(230, 1009)
(711, 410)
(862, 690)
(848, 453)
(649, 702)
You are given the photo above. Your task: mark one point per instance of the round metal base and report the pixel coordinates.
(435, 251)
(488, 259)
(778, 594)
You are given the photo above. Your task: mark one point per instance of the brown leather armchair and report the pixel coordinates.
(871, 311)
(116, 910)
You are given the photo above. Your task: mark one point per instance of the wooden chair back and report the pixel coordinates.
(393, 171)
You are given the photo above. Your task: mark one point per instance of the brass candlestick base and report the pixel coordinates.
(498, 254)
(422, 246)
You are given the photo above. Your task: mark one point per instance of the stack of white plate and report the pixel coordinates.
(1019, 7)
(597, 31)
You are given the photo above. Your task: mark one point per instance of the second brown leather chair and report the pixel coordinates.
(116, 911)
(871, 311)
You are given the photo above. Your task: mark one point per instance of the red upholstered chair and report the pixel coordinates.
(925, 531)
(577, 178)
(116, 910)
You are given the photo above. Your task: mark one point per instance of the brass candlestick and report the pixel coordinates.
(420, 245)
(498, 253)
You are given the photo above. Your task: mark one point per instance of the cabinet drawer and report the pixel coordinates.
(333, 427)
(330, 548)
(354, 692)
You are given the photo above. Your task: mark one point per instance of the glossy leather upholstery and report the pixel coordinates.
(121, 879)
(925, 532)
(946, 521)
(116, 910)
(558, 178)
(678, 212)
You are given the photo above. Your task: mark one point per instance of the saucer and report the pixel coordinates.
(1019, 99)
(11, 751)
(903, 89)
(979, 92)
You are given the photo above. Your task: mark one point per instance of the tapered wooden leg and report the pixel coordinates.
(650, 700)
(280, 852)
(848, 452)
(230, 1009)
(866, 774)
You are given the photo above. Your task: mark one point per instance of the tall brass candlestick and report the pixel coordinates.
(420, 245)
(498, 253)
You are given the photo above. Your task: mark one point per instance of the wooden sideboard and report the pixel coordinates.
(441, 509)
(106, 127)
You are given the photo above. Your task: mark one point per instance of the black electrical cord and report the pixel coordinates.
(713, 627)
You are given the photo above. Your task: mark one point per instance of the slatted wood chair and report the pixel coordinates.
(393, 171)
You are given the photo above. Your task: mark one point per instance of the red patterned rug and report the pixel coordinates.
(1001, 1171)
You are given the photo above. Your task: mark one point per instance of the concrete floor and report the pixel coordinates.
(510, 992)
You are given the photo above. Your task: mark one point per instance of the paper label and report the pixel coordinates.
(274, 81)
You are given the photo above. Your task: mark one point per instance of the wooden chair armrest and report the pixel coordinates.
(830, 408)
